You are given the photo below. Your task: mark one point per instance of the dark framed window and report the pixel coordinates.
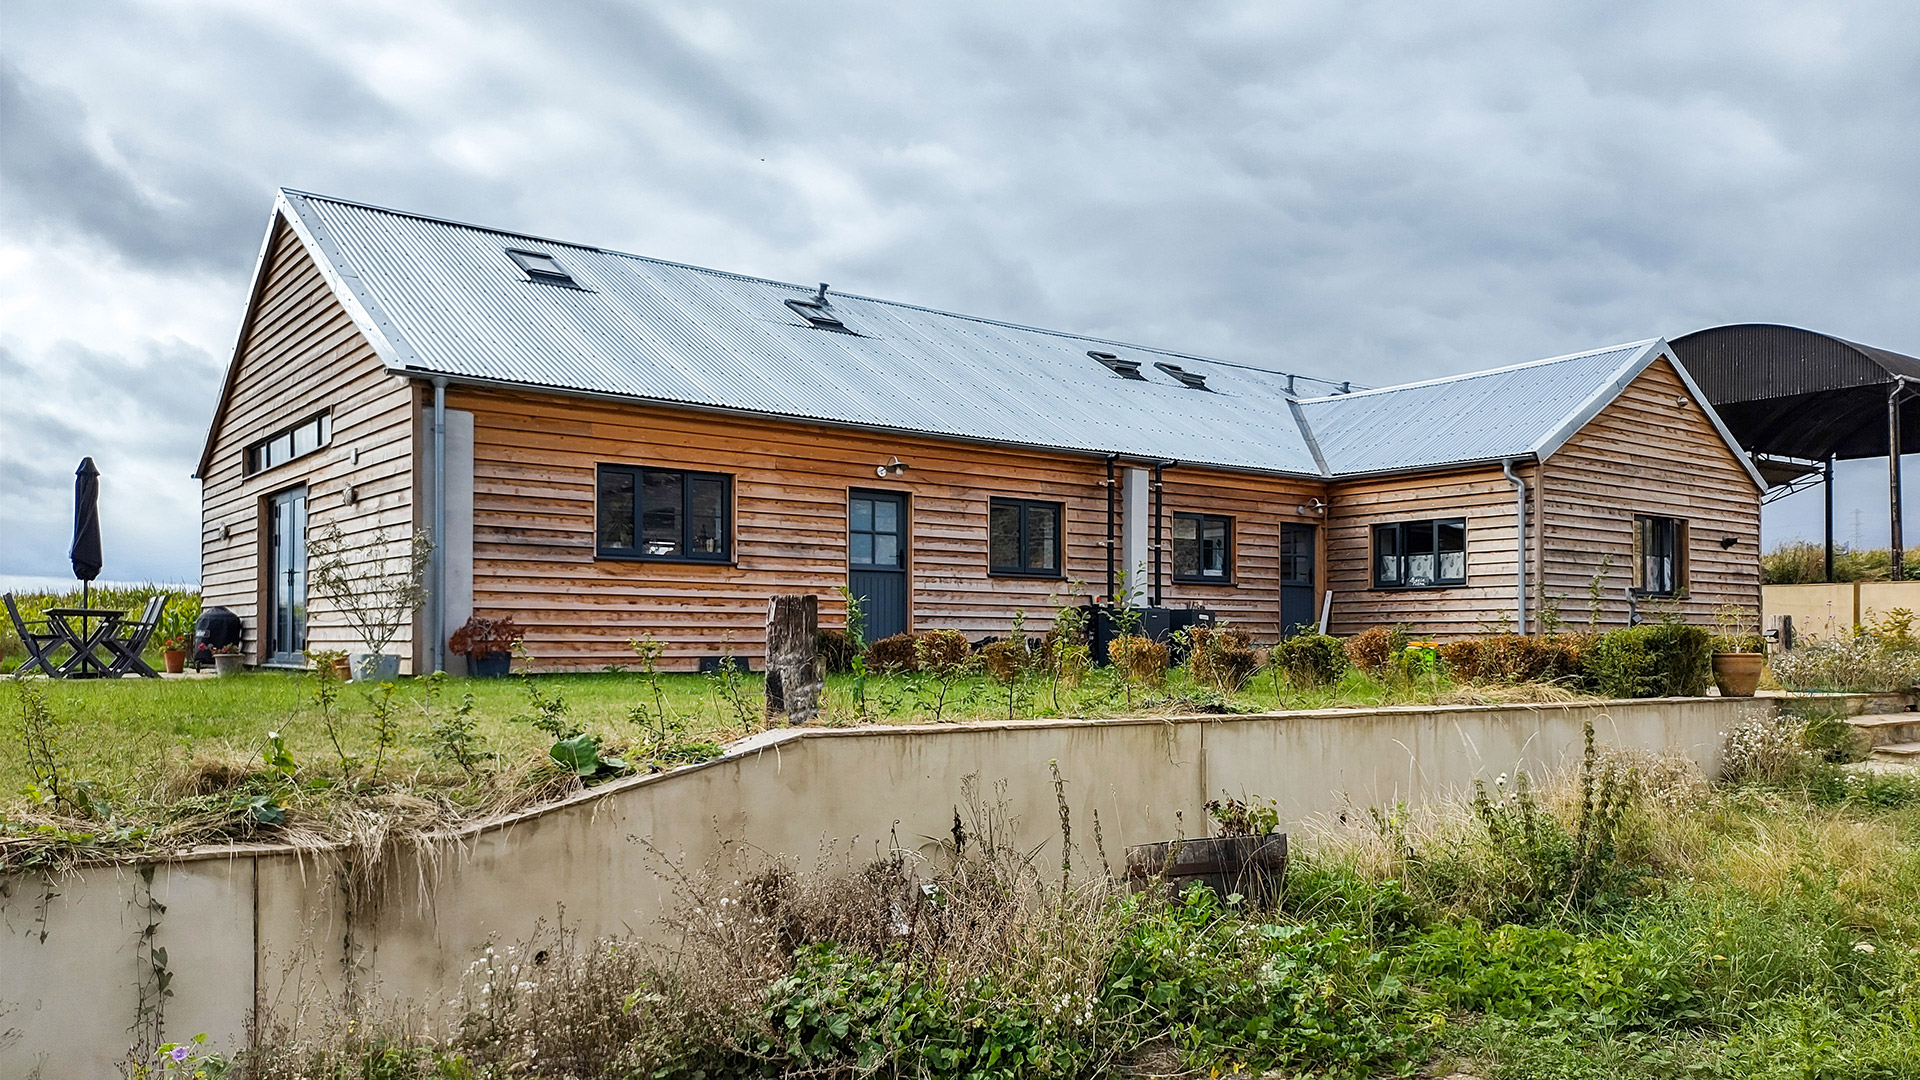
(297, 440)
(1203, 548)
(1420, 554)
(668, 514)
(1296, 554)
(1659, 556)
(1023, 538)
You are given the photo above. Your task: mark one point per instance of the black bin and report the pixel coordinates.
(215, 629)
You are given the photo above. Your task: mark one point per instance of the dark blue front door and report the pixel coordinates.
(1297, 611)
(877, 559)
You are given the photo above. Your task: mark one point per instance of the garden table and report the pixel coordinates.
(93, 656)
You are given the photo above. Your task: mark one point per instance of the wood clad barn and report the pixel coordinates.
(608, 447)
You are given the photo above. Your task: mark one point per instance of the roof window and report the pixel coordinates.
(540, 266)
(818, 311)
(1192, 380)
(1126, 369)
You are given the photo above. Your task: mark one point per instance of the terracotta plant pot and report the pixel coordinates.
(176, 660)
(1737, 674)
(227, 663)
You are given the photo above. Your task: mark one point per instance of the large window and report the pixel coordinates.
(1420, 554)
(1659, 556)
(1023, 538)
(1203, 548)
(288, 443)
(664, 514)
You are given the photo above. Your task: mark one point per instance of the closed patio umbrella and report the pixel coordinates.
(86, 528)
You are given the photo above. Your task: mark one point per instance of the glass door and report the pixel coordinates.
(877, 559)
(286, 622)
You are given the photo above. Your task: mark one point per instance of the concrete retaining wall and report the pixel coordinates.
(258, 928)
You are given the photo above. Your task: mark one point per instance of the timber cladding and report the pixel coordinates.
(1652, 451)
(301, 354)
(535, 459)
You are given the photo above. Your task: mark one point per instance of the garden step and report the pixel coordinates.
(1905, 751)
(1888, 728)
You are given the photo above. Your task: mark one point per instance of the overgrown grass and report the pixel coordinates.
(1758, 930)
(1803, 562)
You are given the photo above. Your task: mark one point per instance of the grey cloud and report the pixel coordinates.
(1351, 190)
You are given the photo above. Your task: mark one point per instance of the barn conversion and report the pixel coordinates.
(609, 447)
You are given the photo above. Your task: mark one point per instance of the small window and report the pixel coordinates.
(1296, 554)
(1192, 380)
(1203, 548)
(1659, 556)
(1024, 537)
(540, 266)
(1420, 554)
(288, 443)
(665, 514)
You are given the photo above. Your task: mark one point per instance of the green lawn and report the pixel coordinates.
(88, 766)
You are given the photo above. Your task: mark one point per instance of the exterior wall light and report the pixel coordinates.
(893, 467)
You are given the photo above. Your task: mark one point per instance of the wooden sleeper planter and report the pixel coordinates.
(1251, 866)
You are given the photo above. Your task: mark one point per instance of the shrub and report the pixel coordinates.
(942, 652)
(1656, 660)
(1766, 750)
(894, 654)
(1223, 658)
(1372, 650)
(836, 650)
(1310, 660)
(1858, 663)
(1142, 659)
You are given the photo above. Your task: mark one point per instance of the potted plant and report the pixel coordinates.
(227, 660)
(1739, 654)
(375, 588)
(176, 631)
(1247, 857)
(487, 644)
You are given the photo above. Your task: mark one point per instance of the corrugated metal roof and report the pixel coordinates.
(1485, 416)
(440, 297)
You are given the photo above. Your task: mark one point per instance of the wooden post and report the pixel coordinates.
(794, 678)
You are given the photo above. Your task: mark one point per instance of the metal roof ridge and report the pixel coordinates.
(776, 283)
(1466, 375)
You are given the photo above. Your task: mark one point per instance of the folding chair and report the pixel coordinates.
(126, 650)
(40, 644)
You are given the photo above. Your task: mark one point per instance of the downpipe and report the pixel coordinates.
(437, 604)
(1520, 541)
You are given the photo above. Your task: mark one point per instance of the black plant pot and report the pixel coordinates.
(488, 665)
(1252, 866)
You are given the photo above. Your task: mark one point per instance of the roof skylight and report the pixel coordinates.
(539, 266)
(818, 311)
(1192, 380)
(1126, 369)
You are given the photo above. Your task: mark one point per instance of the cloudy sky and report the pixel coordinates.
(1373, 191)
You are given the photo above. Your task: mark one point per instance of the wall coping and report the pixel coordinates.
(779, 739)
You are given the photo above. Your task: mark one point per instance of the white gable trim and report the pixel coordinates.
(1623, 376)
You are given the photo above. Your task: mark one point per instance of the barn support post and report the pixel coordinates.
(437, 601)
(1829, 486)
(1897, 548)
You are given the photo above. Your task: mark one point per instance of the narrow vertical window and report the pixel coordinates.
(1659, 565)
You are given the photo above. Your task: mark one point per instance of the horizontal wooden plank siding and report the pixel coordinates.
(1648, 454)
(1258, 506)
(534, 469)
(1480, 495)
(302, 354)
